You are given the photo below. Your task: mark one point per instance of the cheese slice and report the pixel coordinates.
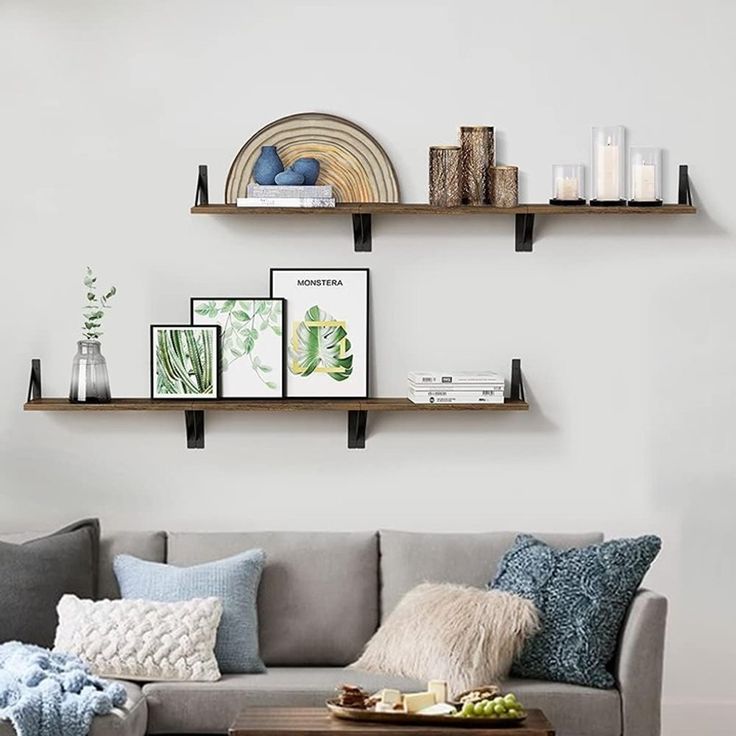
(390, 697)
(439, 709)
(439, 688)
(414, 702)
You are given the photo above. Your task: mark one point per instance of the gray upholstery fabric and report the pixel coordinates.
(36, 573)
(410, 558)
(144, 545)
(130, 720)
(318, 598)
(638, 666)
(211, 707)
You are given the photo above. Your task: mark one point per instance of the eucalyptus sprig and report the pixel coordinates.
(94, 310)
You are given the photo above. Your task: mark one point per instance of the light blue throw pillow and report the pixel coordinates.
(233, 580)
(582, 596)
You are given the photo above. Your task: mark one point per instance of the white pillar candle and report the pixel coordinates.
(645, 189)
(608, 172)
(566, 187)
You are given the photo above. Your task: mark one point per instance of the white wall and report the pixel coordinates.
(625, 326)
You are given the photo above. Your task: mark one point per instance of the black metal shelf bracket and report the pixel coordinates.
(356, 429)
(34, 385)
(524, 232)
(194, 420)
(202, 195)
(517, 381)
(684, 196)
(362, 232)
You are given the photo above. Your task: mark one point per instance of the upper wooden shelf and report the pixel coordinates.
(362, 212)
(391, 208)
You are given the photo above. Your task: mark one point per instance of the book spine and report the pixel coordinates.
(456, 386)
(441, 379)
(259, 190)
(455, 400)
(284, 202)
(457, 394)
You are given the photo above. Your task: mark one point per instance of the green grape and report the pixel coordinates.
(488, 710)
(512, 713)
(510, 699)
(498, 699)
(479, 708)
(468, 709)
(500, 708)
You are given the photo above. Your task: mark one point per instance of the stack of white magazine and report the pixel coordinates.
(455, 387)
(297, 195)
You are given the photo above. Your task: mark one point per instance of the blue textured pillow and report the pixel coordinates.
(233, 580)
(582, 596)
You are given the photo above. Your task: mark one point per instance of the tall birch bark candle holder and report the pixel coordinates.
(568, 185)
(444, 176)
(645, 177)
(477, 152)
(503, 186)
(609, 167)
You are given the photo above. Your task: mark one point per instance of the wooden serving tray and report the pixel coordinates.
(411, 719)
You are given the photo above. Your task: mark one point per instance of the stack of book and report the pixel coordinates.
(298, 195)
(458, 387)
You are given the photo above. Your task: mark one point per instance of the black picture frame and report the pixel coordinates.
(366, 271)
(152, 363)
(283, 371)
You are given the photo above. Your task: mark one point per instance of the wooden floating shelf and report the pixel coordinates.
(362, 214)
(194, 409)
(384, 404)
(391, 208)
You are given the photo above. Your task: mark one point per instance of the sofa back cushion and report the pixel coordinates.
(318, 598)
(411, 558)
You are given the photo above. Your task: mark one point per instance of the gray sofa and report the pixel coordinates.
(323, 595)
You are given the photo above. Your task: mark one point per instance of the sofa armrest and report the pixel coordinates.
(638, 664)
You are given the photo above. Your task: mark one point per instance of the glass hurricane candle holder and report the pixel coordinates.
(568, 184)
(645, 176)
(609, 166)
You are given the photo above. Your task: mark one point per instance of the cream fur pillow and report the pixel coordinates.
(142, 640)
(466, 636)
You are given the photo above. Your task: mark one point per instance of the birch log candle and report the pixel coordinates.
(477, 152)
(503, 182)
(444, 176)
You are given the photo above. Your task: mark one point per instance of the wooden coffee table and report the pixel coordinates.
(286, 721)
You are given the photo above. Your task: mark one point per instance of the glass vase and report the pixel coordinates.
(89, 383)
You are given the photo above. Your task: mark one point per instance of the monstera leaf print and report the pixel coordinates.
(320, 343)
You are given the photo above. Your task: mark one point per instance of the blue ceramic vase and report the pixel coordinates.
(308, 168)
(267, 166)
(289, 177)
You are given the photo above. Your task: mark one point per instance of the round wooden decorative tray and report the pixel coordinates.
(411, 719)
(351, 159)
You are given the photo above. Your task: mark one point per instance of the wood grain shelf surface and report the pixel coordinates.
(390, 208)
(383, 404)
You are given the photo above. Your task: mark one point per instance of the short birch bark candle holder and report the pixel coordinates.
(477, 151)
(444, 176)
(568, 185)
(503, 183)
(645, 177)
(609, 167)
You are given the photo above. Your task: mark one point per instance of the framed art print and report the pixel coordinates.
(185, 362)
(252, 344)
(326, 331)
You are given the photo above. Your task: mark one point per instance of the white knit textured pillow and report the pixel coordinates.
(466, 636)
(142, 640)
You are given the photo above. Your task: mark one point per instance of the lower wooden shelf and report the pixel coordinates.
(194, 409)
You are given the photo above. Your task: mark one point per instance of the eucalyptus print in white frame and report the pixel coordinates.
(185, 362)
(252, 348)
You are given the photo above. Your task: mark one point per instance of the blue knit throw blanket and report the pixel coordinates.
(45, 693)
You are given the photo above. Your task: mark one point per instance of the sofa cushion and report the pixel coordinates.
(130, 720)
(35, 574)
(188, 707)
(410, 558)
(233, 580)
(318, 598)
